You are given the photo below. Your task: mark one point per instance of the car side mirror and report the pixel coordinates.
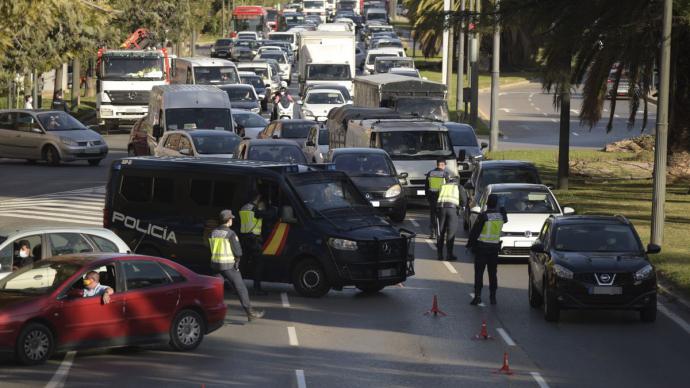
(186, 151)
(537, 248)
(157, 131)
(476, 210)
(268, 86)
(287, 215)
(568, 210)
(403, 175)
(484, 144)
(462, 155)
(37, 130)
(653, 249)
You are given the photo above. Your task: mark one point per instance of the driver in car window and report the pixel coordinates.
(92, 287)
(24, 255)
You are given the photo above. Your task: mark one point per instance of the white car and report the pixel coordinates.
(372, 54)
(317, 103)
(528, 206)
(266, 48)
(198, 143)
(247, 35)
(316, 147)
(283, 63)
(56, 241)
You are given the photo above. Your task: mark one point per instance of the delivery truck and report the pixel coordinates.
(326, 57)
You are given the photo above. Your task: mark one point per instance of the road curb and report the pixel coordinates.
(673, 296)
(511, 85)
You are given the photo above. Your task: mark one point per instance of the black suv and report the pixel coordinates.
(221, 48)
(591, 262)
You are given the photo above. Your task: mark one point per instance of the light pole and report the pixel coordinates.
(495, 79)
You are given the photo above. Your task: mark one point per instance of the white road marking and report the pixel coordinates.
(431, 243)
(509, 341)
(576, 134)
(292, 336)
(480, 304)
(415, 223)
(540, 380)
(537, 108)
(545, 114)
(84, 206)
(554, 120)
(507, 110)
(675, 318)
(284, 299)
(301, 382)
(60, 376)
(450, 267)
(577, 112)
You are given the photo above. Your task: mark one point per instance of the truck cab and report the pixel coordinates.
(205, 71)
(315, 7)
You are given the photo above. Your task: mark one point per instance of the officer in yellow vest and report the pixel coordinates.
(485, 242)
(225, 259)
(448, 207)
(434, 180)
(251, 223)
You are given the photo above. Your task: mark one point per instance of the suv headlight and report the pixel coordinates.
(68, 141)
(644, 272)
(562, 272)
(393, 191)
(307, 112)
(342, 244)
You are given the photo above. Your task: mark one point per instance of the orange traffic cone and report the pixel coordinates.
(434, 308)
(505, 369)
(484, 333)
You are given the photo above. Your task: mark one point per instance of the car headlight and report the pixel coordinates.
(342, 244)
(256, 110)
(68, 141)
(562, 272)
(307, 113)
(393, 191)
(644, 272)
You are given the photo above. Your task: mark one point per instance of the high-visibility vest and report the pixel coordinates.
(221, 250)
(436, 179)
(449, 194)
(249, 223)
(491, 232)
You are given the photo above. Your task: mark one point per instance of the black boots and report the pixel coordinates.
(254, 314)
(477, 299)
(492, 297)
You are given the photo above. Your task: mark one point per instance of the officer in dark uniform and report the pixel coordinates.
(485, 242)
(434, 180)
(448, 207)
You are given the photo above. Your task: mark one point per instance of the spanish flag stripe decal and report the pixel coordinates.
(276, 241)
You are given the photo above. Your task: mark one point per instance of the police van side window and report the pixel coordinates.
(136, 188)
(200, 191)
(223, 194)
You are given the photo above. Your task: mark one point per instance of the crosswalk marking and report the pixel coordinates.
(83, 206)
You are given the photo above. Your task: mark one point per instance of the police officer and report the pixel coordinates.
(226, 253)
(448, 207)
(485, 242)
(434, 180)
(251, 222)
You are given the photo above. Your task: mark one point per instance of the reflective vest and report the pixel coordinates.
(449, 194)
(249, 223)
(436, 179)
(221, 250)
(491, 232)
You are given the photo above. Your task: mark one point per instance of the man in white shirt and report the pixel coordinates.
(92, 287)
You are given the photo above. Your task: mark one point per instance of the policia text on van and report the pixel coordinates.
(324, 235)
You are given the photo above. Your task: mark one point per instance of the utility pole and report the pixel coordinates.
(445, 44)
(564, 139)
(222, 18)
(461, 68)
(661, 146)
(449, 68)
(495, 80)
(474, 67)
(76, 83)
(192, 43)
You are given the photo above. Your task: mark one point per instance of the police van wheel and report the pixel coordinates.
(370, 288)
(309, 279)
(187, 330)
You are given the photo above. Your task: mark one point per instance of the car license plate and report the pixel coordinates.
(93, 151)
(523, 243)
(421, 192)
(375, 203)
(461, 167)
(605, 290)
(383, 273)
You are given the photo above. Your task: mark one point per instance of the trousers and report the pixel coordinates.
(486, 257)
(432, 197)
(234, 277)
(448, 225)
(252, 252)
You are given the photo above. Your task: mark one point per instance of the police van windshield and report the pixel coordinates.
(415, 144)
(215, 75)
(327, 195)
(197, 118)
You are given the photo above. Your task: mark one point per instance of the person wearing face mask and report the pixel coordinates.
(28, 102)
(93, 287)
(24, 255)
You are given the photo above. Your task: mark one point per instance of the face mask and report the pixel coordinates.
(23, 254)
(87, 282)
(282, 93)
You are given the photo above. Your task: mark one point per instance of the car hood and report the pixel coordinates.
(601, 261)
(521, 222)
(353, 227)
(320, 109)
(10, 300)
(244, 104)
(226, 156)
(79, 135)
(374, 183)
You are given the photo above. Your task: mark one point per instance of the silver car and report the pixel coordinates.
(52, 136)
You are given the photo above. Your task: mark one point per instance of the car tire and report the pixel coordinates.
(535, 299)
(648, 314)
(94, 162)
(370, 288)
(187, 330)
(398, 214)
(309, 279)
(552, 311)
(51, 156)
(35, 344)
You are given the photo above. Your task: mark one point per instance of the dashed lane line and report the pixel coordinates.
(415, 223)
(292, 336)
(284, 299)
(60, 376)
(450, 267)
(431, 243)
(539, 379)
(301, 382)
(506, 338)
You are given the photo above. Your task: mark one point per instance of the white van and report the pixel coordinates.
(289, 37)
(370, 61)
(263, 70)
(205, 71)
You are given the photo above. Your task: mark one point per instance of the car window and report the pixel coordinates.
(26, 122)
(144, 274)
(593, 237)
(200, 191)
(34, 244)
(173, 273)
(68, 243)
(136, 188)
(6, 258)
(463, 137)
(7, 121)
(163, 190)
(103, 244)
(185, 144)
(323, 137)
(172, 142)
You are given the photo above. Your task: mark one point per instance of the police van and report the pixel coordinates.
(324, 233)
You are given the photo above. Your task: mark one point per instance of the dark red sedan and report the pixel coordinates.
(43, 307)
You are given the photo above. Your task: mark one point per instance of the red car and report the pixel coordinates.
(43, 310)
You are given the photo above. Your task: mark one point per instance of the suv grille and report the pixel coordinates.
(129, 97)
(382, 249)
(515, 251)
(417, 181)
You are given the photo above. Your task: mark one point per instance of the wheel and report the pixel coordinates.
(370, 288)
(51, 155)
(35, 344)
(552, 311)
(187, 330)
(94, 162)
(309, 279)
(648, 314)
(535, 299)
(398, 214)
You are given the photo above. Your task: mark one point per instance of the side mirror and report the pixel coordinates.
(287, 215)
(37, 130)
(476, 210)
(537, 248)
(268, 87)
(403, 175)
(462, 155)
(568, 210)
(484, 145)
(157, 131)
(185, 151)
(653, 249)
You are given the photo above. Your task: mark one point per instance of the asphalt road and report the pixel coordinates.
(348, 339)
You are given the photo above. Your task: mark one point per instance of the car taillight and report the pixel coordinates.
(106, 218)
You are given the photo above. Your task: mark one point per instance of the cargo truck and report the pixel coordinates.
(326, 57)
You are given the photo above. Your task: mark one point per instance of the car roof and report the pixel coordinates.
(248, 74)
(204, 132)
(359, 150)
(453, 126)
(295, 121)
(404, 125)
(10, 231)
(234, 86)
(324, 90)
(207, 61)
(35, 111)
(275, 142)
(88, 258)
(505, 163)
(518, 186)
(580, 218)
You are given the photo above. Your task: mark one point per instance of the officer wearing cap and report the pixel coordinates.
(251, 223)
(226, 253)
(434, 180)
(448, 208)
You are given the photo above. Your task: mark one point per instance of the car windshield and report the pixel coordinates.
(59, 121)
(40, 278)
(371, 58)
(216, 75)
(388, 43)
(250, 120)
(274, 54)
(223, 42)
(342, 89)
(328, 72)
(415, 144)
(527, 201)
(323, 138)
(324, 98)
(508, 174)
(383, 65)
(132, 67)
(260, 71)
(463, 137)
(283, 37)
(240, 94)
(247, 43)
(197, 118)
(363, 164)
(326, 195)
(296, 130)
(405, 72)
(435, 109)
(596, 237)
(312, 4)
(221, 143)
(256, 82)
(277, 153)
(294, 19)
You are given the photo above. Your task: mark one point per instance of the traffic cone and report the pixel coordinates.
(434, 308)
(505, 369)
(483, 334)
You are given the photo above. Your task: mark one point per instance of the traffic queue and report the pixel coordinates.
(313, 197)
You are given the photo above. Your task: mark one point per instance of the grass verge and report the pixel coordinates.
(629, 197)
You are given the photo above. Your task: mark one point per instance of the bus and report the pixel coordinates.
(249, 18)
